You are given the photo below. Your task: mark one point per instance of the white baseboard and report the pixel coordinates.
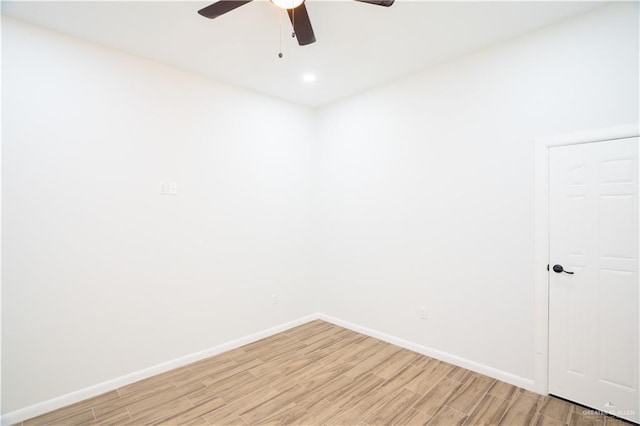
(434, 353)
(100, 388)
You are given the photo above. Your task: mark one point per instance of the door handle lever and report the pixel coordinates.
(559, 269)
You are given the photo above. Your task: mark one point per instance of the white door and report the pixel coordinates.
(594, 301)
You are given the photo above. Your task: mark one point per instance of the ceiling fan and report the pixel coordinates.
(296, 10)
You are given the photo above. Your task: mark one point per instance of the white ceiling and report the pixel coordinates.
(358, 46)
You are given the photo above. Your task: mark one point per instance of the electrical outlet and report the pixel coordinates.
(274, 299)
(423, 312)
(164, 188)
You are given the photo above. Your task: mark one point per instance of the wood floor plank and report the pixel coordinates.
(230, 413)
(313, 397)
(436, 398)
(200, 421)
(199, 373)
(580, 420)
(321, 374)
(231, 420)
(556, 409)
(296, 365)
(161, 399)
(401, 379)
(160, 412)
(63, 416)
(318, 375)
(393, 408)
(110, 399)
(530, 394)
(320, 414)
(242, 388)
(337, 346)
(595, 415)
(323, 335)
(413, 417)
(503, 390)
(193, 413)
(145, 392)
(315, 347)
(489, 411)
(355, 391)
(116, 417)
(460, 375)
(307, 329)
(521, 412)
(284, 351)
(423, 362)
(80, 418)
(288, 416)
(431, 374)
(210, 363)
(470, 394)
(106, 409)
(325, 369)
(373, 361)
(356, 412)
(448, 416)
(548, 421)
(221, 388)
(239, 356)
(363, 350)
(280, 382)
(267, 342)
(276, 405)
(217, 377)
(394, 364)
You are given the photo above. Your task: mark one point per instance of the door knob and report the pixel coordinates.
(558, 269)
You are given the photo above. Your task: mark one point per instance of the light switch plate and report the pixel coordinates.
(173, 188)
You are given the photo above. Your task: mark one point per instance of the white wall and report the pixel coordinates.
(1, 411)
(102, 276)
(428, 185)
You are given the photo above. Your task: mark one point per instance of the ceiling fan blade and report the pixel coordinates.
(385, 3)
(221, 7)
(302, 25)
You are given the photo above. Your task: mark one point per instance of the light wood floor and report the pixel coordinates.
(321, 374)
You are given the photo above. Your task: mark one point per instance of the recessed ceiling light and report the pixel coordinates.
(308, 77)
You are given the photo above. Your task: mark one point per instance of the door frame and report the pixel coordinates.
(541, 236)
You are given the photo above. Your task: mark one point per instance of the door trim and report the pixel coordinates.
(541, 236)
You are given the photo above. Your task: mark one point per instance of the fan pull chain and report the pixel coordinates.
(280, 55)
(293, 21)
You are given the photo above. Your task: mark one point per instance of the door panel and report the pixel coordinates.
(593, 313)
(616, 313)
